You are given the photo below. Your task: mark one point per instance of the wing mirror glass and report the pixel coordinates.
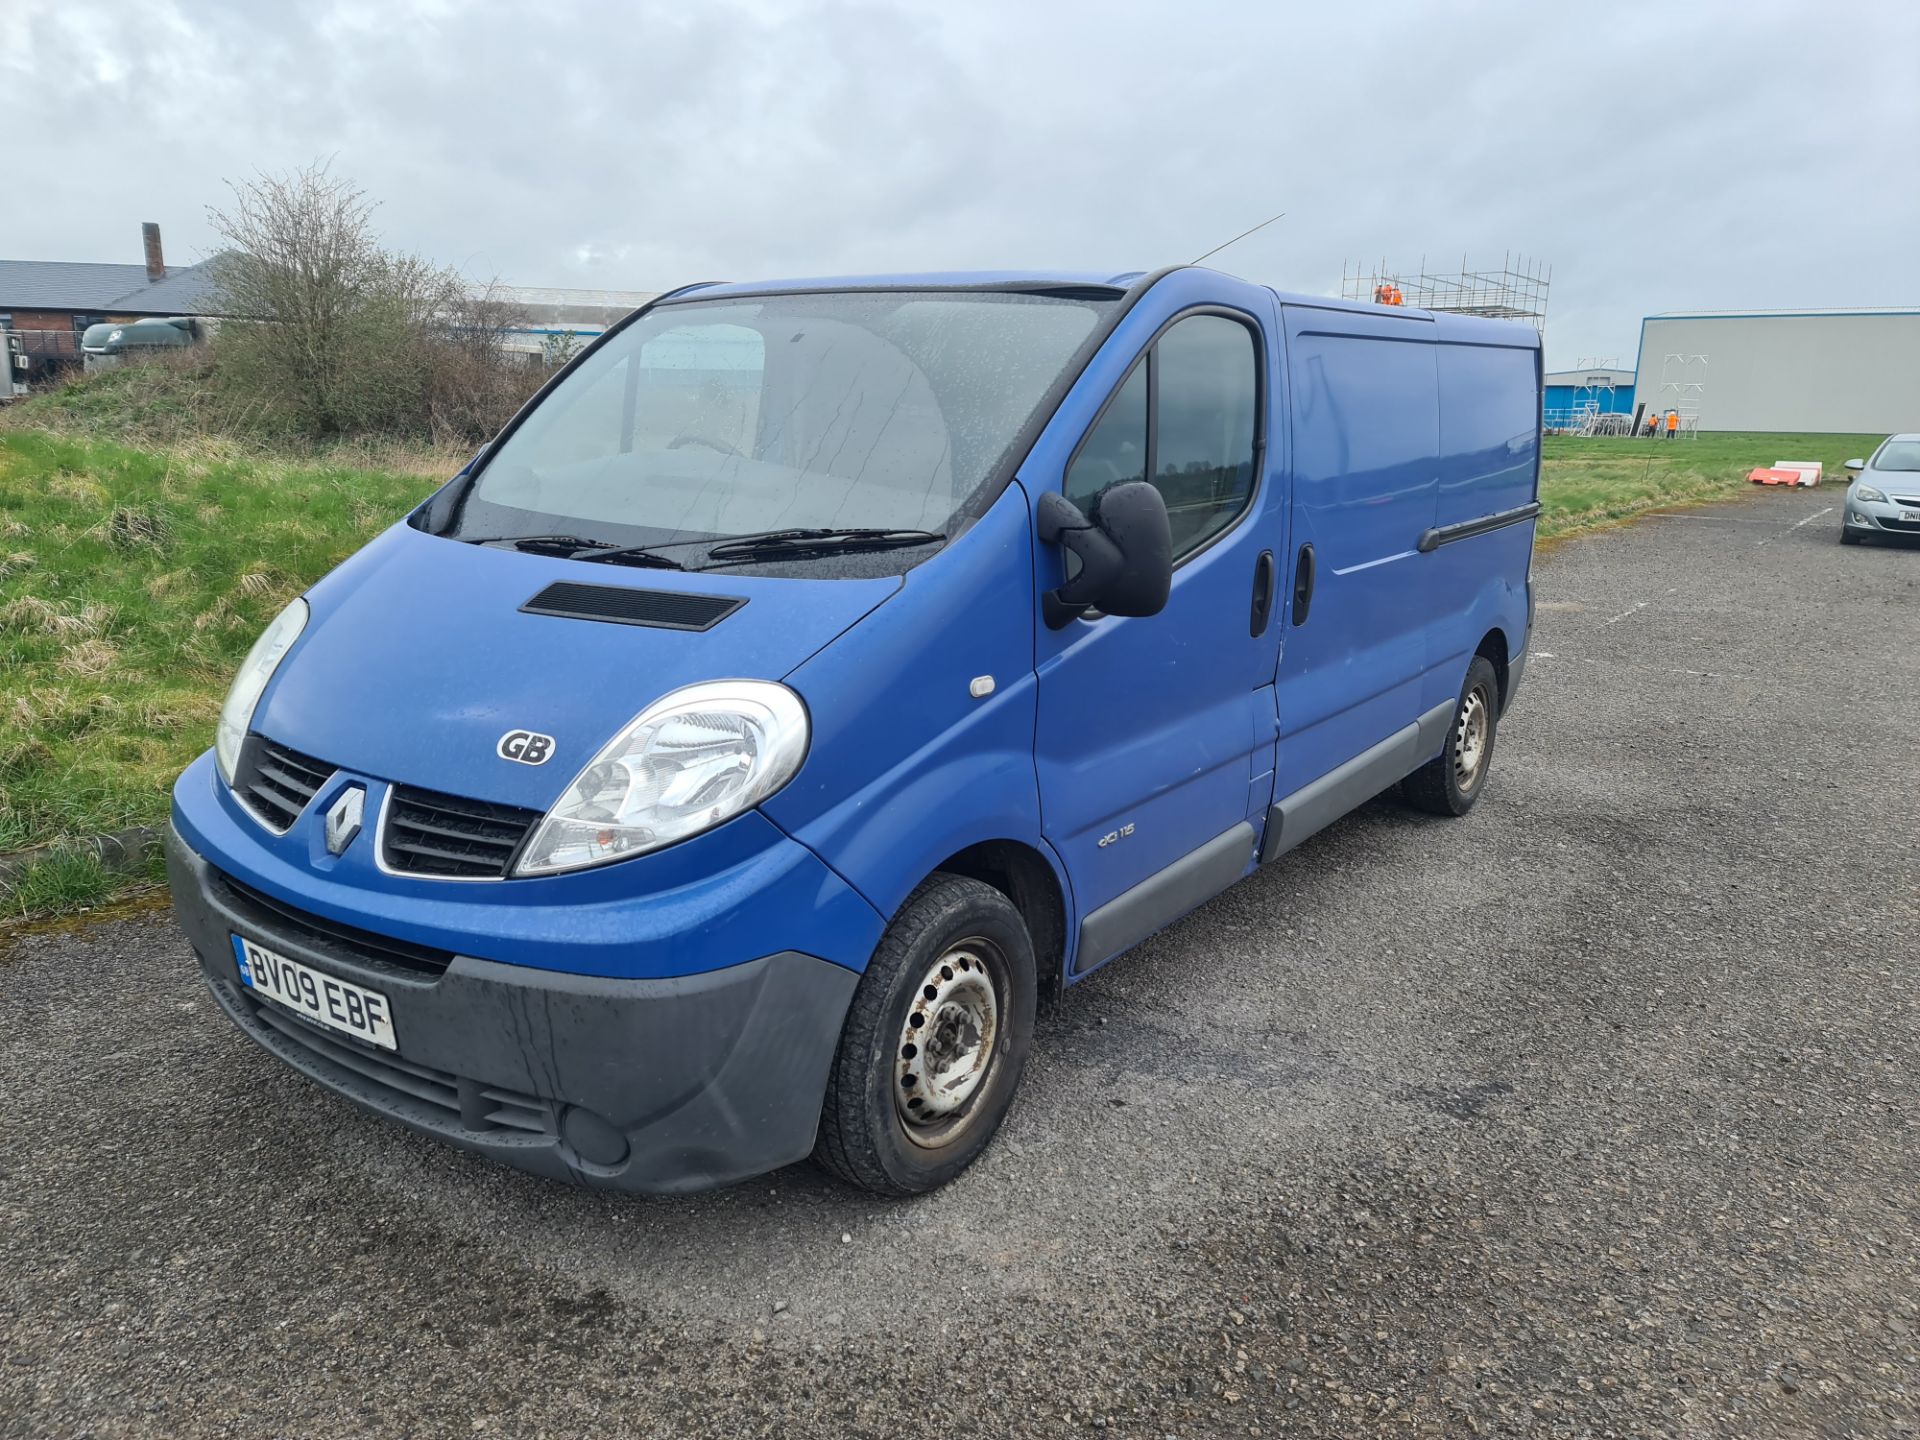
(1125, 553)
(1856, 464)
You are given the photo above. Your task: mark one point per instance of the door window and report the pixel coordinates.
(1195, 439)
(1204, 431)
(1115, 451)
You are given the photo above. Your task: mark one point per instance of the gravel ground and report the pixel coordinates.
(1593, 1114)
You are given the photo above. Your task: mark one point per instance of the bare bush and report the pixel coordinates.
(332, 335)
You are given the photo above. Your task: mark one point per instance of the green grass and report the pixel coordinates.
(132, 581)
(63, 881)
(1585, 484)
(131, 584)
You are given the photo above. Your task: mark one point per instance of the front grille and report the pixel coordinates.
(450, 1099)
(1912, 502)
(276, 783)
(1904, 527)
(450, 838)
(276, 917)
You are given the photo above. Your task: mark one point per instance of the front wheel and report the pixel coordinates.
(934, 1043)
(1451, 783)
(1849, 536)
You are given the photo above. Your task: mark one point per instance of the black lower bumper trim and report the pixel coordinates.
(707, 1079)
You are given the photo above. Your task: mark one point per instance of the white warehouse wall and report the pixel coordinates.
(1822, 372)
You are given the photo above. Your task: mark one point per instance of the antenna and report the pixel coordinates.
(1238, 238)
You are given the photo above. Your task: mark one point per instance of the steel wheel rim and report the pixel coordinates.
(944, 1054)
(1472, 730)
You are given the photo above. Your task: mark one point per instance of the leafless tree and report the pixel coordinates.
(332, 334)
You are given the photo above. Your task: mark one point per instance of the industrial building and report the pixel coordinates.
(1820, 371)
(1573, 398)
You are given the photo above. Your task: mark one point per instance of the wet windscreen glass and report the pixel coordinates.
(734, 417)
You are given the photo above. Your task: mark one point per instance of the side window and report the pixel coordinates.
(1198, 448)
(1203, 438)
(1116, 449)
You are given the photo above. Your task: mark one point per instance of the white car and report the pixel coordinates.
(1884, 498)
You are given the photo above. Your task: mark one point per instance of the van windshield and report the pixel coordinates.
(708, 420)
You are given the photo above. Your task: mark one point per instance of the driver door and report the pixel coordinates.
(1155, 735)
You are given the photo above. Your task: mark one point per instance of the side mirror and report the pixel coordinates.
(1126, 554)
(1856, 464)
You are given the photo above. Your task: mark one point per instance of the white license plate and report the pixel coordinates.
(1912, 517)
(325, 999)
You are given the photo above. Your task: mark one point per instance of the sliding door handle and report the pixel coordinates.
(1303, 568)
(1262, 595)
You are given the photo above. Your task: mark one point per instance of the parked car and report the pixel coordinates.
(107, 344)
(814, 674)
(1884, 495)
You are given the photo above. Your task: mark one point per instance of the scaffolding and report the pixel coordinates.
(1516, 290)
(1683, 385)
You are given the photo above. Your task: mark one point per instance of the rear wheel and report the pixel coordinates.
(1450, 784)
(934, 1043)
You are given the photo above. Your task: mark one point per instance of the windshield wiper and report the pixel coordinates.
(800, 544)
(572, 547)
(566, 544)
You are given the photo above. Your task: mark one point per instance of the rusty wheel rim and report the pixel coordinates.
(1471, 732)
(948, 1041)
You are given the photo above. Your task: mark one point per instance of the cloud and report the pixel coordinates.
(1657, 156)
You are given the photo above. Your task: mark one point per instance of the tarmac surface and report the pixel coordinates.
(1595, 1113)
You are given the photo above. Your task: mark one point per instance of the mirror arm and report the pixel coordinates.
(1062, 523)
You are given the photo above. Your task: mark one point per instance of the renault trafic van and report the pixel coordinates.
(817, 674)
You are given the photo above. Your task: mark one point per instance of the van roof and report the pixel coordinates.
(1036, 280)
(1454, 327)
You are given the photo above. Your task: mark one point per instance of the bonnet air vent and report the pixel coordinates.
(661, 609)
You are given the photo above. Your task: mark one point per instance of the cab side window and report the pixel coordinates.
(1186, 418)
(1115, 450)
(1206, 411)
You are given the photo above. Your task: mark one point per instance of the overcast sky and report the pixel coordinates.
(1665, 156)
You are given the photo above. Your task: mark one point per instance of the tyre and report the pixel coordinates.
(934, 1043)
(1451, 783)
(1849, 536)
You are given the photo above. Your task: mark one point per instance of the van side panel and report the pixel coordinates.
(907, 766)
(1364, 401)
(1489, 466)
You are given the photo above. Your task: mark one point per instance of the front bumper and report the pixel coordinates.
(668, 1085)
(1883, 517)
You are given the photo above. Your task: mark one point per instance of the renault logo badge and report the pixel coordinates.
(344, 817)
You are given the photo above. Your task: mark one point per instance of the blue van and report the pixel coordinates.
(816, 675)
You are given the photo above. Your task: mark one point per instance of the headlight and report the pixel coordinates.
(115, 336)
(236, 716)
(689, 761)
(1867, 492)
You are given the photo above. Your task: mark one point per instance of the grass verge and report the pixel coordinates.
(1587, 484)
(132, 583)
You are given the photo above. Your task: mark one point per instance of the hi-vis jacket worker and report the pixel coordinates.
(1388, 293)
(1673, 423)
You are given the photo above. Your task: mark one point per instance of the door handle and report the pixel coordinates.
(1303, 569)
(1262, 595)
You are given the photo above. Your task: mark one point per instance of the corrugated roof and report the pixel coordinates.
(65, 284)
(188, 291)
(115, 289)
(1785, 314)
